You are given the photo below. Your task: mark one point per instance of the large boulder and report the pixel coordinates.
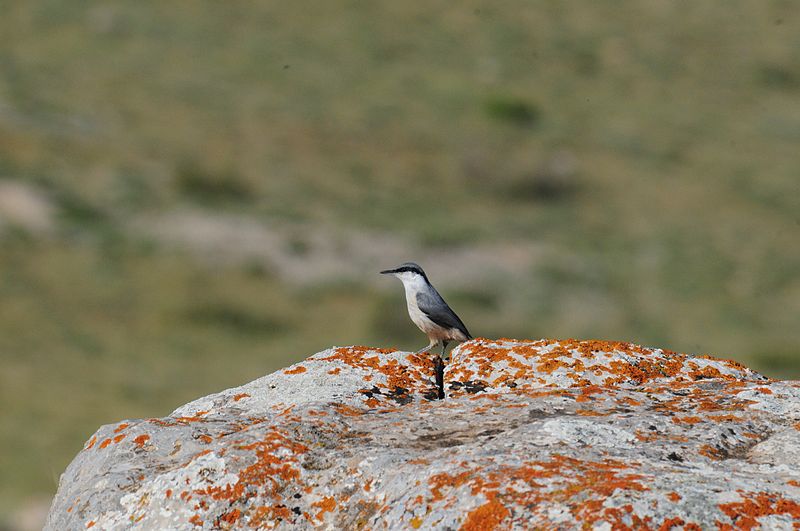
(539, 434)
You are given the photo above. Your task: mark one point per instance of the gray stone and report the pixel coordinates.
(553, 434)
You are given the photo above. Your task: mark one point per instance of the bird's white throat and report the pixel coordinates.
(413, 283)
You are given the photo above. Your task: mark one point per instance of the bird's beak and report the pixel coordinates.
(388, 271)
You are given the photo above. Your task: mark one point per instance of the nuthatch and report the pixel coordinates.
(427, 308)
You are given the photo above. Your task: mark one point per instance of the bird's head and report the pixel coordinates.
(407, 272)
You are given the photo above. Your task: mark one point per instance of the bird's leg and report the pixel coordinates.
(426, 349)
(444, 346)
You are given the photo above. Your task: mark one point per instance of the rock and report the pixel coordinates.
(541, 434)
(25, 207)
(308, 254)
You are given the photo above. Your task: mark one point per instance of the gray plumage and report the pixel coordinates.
(438, 311)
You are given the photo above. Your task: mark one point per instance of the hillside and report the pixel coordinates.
(193, 195)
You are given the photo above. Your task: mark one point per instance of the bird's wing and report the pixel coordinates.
(433, 306)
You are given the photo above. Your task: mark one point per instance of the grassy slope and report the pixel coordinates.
(680, 228)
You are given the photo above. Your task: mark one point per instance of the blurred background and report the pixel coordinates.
(194, 194)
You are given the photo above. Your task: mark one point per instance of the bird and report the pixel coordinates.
(427, 308)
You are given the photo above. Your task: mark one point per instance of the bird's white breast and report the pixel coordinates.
(413, 284)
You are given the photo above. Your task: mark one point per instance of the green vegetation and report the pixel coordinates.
(647, 151)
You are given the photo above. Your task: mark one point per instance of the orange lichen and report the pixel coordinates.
(231, 517)
(707, 372)
(711, 452)
(646, 436)
(793, 483)
(239, 396)
(730, 363)
(486, 517)
(372, 402)
(413, 372)
(105, 443)
(119, 437)
(121, 427)
(196, 521)
(438, 482)
(530, 364)
(268, 514)
(486, 396)
(590, 413)
(587, 392)
(645, 369)
(89, 524)
(276, 464)
(582, 485)
(168, 493)
(325, 505)
(754, 505)
(298, 370)
(674, 496)
(687, 420)
(725, 418)
(197, 417)
(335, 371)
(669, 523)
(628, 401)
(91, 443)
(416, 522)
(141, 440)
(765, 390)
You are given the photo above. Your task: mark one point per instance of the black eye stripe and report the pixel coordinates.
(412, 269)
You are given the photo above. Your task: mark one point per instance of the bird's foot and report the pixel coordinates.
(428, 348)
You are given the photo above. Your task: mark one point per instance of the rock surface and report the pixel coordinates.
(552, 434)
